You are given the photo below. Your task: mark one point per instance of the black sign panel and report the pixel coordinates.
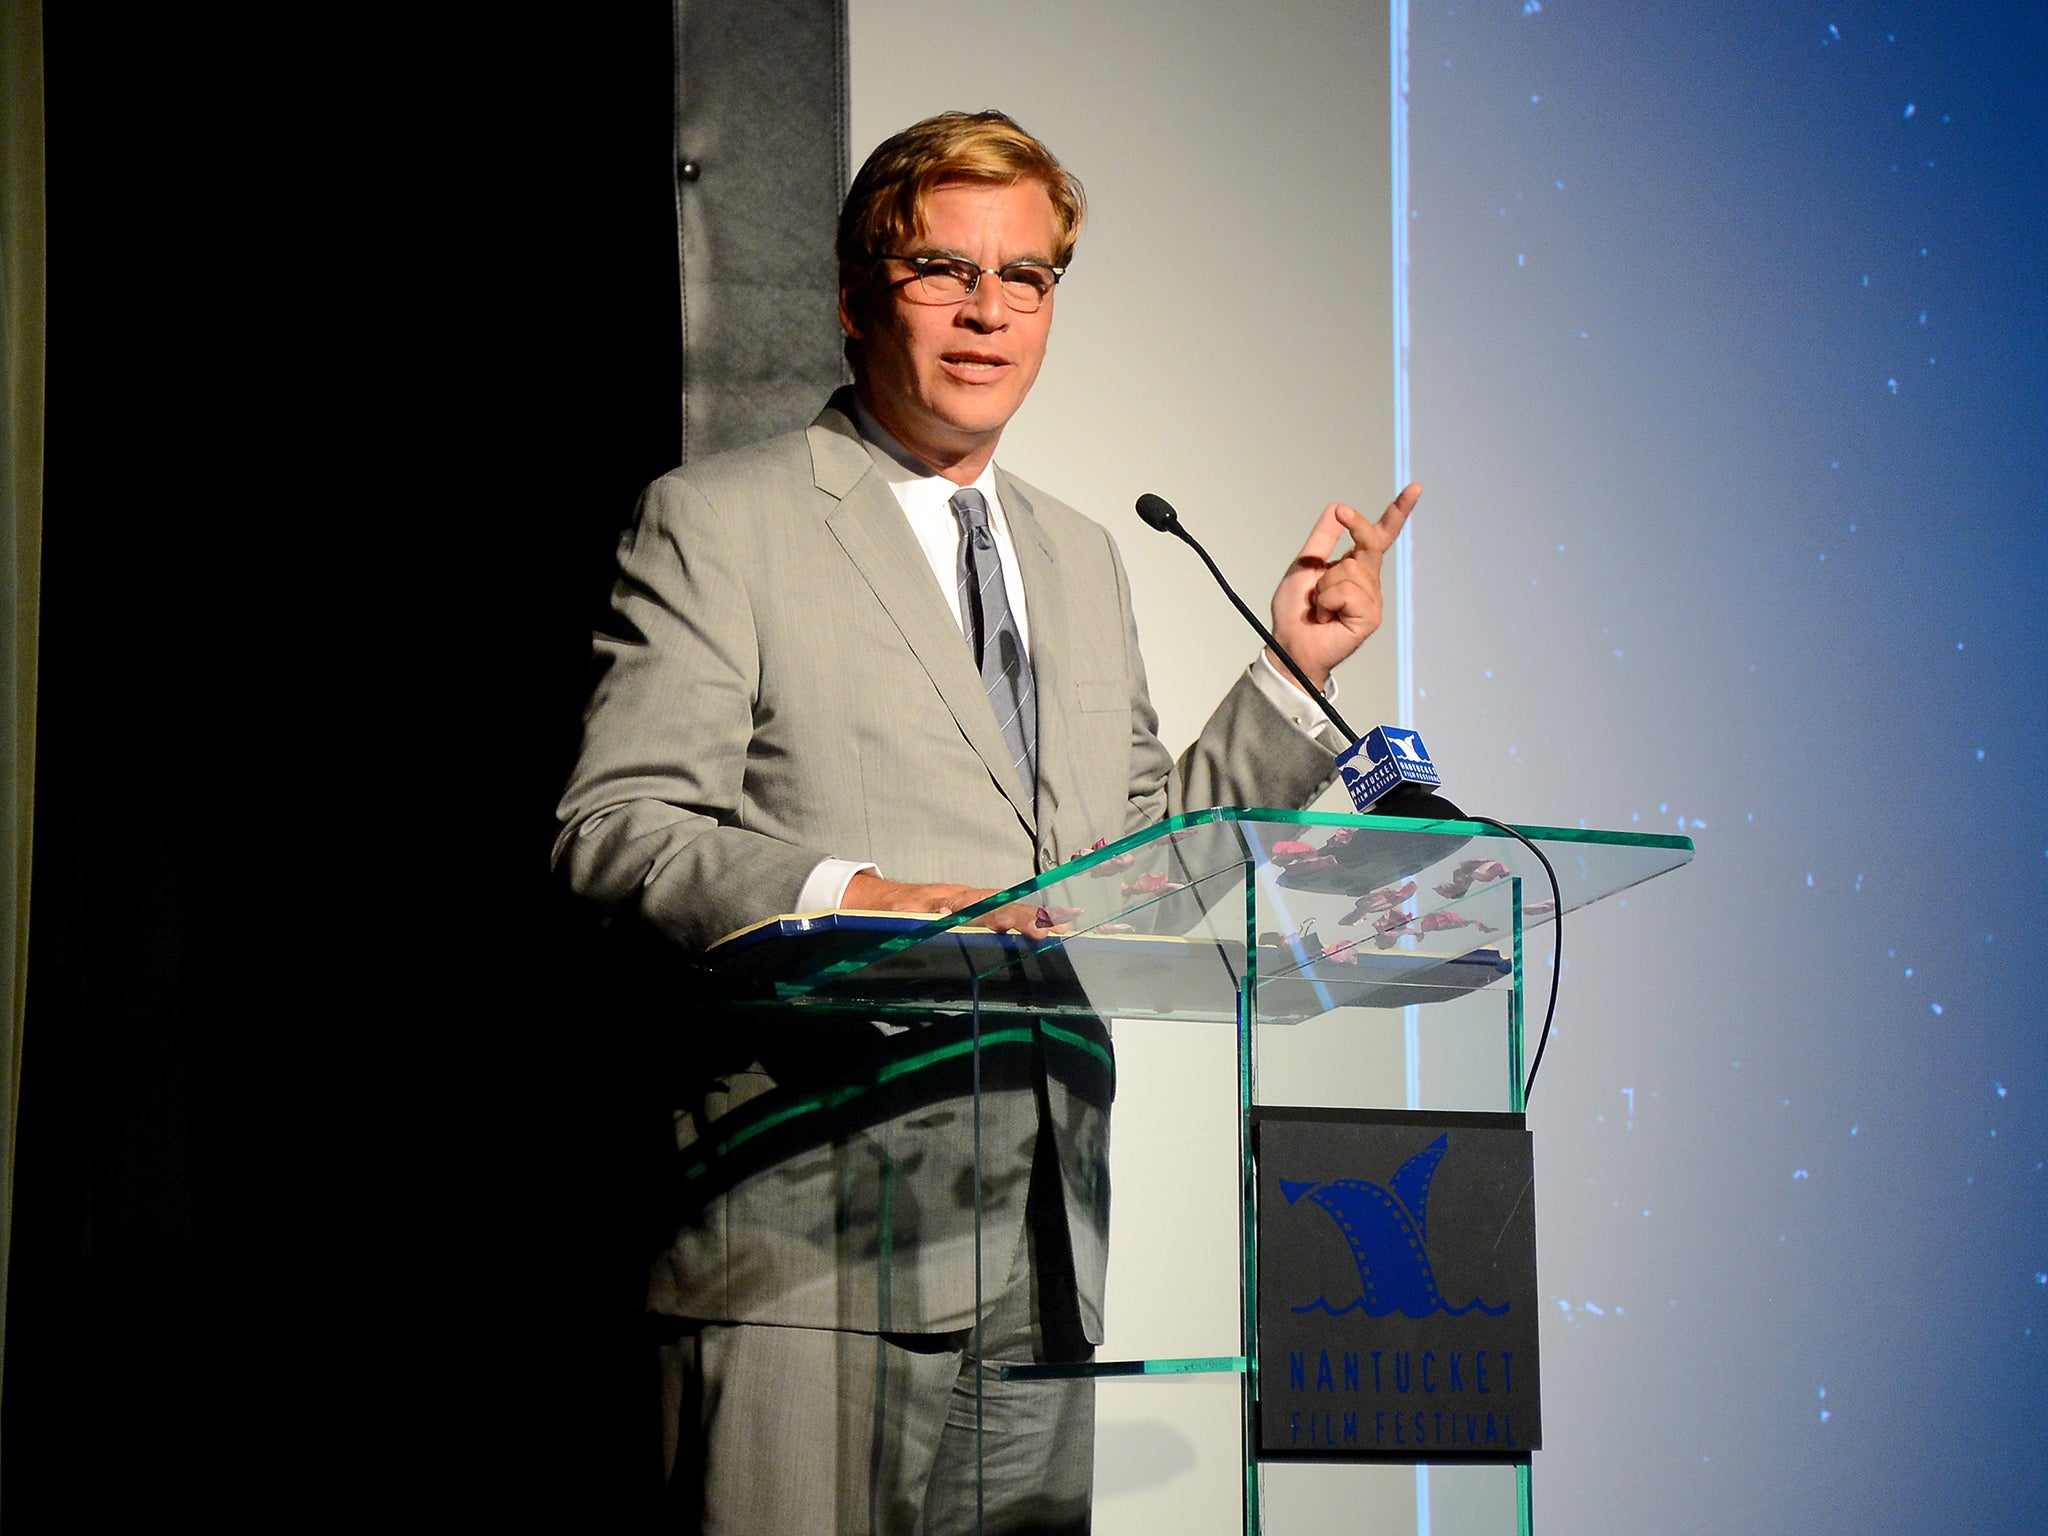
(1397, 1285)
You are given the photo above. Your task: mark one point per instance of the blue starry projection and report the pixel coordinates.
(1728, 348)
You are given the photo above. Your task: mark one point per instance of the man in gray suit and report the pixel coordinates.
(861, 667)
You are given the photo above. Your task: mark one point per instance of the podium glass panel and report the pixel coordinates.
(1215, 968)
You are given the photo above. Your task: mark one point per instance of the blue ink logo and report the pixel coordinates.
(1387, 756)
(1387, 1230)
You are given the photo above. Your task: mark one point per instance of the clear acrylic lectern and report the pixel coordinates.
(1215, 969)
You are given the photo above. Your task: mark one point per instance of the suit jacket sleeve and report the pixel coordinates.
(654, 818)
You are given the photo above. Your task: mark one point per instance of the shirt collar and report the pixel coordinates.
(904, 474)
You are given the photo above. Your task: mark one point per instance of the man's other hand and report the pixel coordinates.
(871, 893)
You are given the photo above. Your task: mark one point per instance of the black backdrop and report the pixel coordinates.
(364, 339)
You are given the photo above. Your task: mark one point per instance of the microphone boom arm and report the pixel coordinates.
(1157, 512)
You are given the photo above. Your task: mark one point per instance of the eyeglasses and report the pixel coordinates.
(952, 279)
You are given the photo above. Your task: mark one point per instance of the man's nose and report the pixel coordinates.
(984, 308)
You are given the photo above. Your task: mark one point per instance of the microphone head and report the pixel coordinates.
(1158, 511)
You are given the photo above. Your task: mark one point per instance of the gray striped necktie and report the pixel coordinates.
(992, 632)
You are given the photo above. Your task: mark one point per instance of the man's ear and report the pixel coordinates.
(846, 321)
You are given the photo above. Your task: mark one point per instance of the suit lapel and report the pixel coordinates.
(871, 528)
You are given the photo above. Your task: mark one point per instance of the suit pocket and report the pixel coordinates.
(1093, 696)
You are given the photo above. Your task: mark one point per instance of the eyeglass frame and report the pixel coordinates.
(919, 263)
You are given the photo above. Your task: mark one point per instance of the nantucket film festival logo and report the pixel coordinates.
(1384, 757)
(1397, 1312)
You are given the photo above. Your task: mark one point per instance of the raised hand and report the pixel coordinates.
(1327, 604)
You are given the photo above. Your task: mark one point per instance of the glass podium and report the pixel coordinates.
(1218, 974)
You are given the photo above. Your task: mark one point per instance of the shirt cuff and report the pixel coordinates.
(824, 889)
(1286, 695)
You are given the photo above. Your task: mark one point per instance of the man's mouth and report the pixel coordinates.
(975, 362)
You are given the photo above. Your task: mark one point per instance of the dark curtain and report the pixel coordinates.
(22, 324)
(332, 1185)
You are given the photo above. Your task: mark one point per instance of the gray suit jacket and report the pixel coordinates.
(783, 683)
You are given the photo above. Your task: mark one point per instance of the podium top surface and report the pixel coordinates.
(1170, 921)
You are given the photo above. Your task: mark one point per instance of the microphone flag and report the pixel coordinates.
(1387, 756)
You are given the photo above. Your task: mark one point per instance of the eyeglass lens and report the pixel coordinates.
(943, 281)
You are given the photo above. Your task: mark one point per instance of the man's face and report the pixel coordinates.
(946, 379)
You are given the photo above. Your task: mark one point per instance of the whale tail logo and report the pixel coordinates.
(1387, 1229)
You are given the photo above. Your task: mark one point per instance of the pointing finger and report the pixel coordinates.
(1376, 535)
(1399, 508)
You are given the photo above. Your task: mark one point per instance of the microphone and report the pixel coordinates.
(1158, 511)
(1388, 769)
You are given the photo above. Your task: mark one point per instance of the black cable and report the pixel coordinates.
(1556, 945)
(1417, 803)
